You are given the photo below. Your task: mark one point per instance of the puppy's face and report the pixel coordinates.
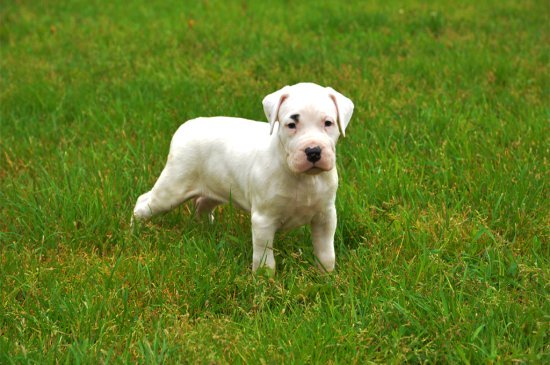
(308, 132)
(310, 119)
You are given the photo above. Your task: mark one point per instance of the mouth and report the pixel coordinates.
(314, 170)
(298, 164)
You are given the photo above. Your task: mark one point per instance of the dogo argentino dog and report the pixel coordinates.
(283, 172)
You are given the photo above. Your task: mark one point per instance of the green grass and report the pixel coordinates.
(442, 240)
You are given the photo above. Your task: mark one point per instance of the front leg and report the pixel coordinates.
(263, 231)
(323, 227)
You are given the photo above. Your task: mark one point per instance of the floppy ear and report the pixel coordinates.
(272, 103)
(344, 109)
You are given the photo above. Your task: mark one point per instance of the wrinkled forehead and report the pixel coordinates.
(312, 104)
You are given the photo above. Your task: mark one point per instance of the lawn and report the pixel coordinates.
(444, 210)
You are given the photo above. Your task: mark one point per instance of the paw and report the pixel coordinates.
(264, 271)
(142, 211)
(143, 197)
(326, 263)
(264, 263)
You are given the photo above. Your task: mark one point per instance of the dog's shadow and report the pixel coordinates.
(230, 232)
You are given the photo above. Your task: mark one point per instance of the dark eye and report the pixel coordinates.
(328, 123)
(291, 125)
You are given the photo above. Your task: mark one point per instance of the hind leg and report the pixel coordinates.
(171, 189)
(205, 206)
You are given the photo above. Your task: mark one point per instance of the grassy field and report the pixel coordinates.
(442, 240)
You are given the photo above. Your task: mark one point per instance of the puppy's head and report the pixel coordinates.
(311, 118)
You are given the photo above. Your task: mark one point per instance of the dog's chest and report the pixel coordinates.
(298, 207)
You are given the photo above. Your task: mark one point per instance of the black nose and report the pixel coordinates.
(313, 154)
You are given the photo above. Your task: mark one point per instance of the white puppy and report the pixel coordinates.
(285, 175)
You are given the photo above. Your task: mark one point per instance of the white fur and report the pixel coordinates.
(261, 168)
